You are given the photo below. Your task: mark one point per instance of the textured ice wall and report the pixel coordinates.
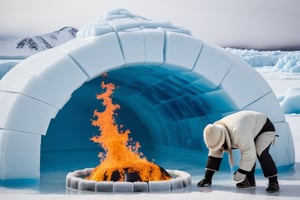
(33, 92)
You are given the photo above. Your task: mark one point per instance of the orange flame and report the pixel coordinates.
(119, 156)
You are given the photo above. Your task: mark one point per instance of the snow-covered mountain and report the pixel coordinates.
(22, 47)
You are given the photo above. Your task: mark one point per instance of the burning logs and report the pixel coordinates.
(132, 174)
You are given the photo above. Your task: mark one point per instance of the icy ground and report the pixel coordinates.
(223, 185)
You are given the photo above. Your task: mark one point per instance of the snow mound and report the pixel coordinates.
(290, 62)
(290, 103)
(121, 19)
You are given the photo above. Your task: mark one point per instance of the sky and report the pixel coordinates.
(270, 24)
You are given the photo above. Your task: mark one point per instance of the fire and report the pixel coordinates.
(121, 157)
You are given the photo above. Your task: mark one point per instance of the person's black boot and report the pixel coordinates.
(273, 185)
(249, 182)
(206, 181)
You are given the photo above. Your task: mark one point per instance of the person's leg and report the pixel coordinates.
(250, 176)
(269, 170)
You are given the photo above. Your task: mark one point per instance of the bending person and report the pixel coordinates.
(251, 132)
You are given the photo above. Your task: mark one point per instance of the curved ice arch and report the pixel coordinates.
(34, 91)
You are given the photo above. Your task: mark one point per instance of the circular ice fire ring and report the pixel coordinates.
(76, 180)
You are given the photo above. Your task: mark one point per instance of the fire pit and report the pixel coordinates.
(122, 167)
(76, 180)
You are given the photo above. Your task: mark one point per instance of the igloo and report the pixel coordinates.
(171, 82)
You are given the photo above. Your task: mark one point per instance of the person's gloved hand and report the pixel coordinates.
(239, 175)
(205, 182)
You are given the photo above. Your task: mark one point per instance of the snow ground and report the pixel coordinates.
(223, 185)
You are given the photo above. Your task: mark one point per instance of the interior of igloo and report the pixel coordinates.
(165, 108)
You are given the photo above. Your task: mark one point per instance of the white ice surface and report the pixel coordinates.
(223, 185)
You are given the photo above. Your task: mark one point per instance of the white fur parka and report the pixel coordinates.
(242, 128)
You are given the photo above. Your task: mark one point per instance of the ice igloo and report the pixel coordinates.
(34, 91)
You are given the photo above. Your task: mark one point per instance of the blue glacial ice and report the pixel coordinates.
(5, 67)
(290, 102)
(170, 85)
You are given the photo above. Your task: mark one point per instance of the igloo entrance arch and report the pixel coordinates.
(34, 91)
